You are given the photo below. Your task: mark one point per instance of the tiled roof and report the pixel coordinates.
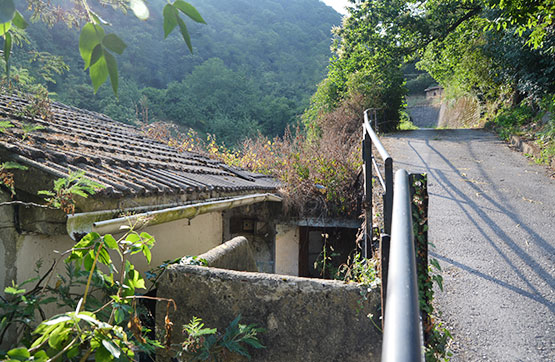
(117, 155)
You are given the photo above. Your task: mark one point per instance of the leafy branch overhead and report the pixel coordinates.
(95, 46)
(9, 17)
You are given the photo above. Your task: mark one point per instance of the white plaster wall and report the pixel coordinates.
(32, 248)
(287, 250)
(179, 238)
(174, 239)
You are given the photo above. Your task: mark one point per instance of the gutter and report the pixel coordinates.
(103, 222)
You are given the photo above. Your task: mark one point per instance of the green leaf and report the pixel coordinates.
(114, 43)
(102, 355)
(41, 356)
(119, 315)
(96, 54)
(20, 354)
(73, 352)
(9, 165)
(110, 242)
(112, 66)
(133, 238)
(19, 21)
(13, 291)
(7, 10)
(88, 260)
(87, 240)
(59, 336)
(435, 263)
(189, 10)
(139, 9)
(91, 35)
(185, 33)
(98, 73)
(104, 257)
(170, 19)
(147, 253)
(139, 283)
(7, 47)
(111, 348)
(5, 27)
(4, 125)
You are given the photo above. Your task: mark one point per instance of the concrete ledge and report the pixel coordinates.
(234, 254)
(305, 319)
(529, 148)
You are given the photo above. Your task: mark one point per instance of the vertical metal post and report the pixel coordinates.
(367, 165)
(388, 197)
(386, 237)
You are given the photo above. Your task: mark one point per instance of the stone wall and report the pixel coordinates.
(305, 319)
(463, 112)
(234, 254)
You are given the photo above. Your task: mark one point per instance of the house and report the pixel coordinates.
(434, 92)
(194, 203)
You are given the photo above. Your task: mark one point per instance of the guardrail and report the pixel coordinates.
(403, 340)
(369, 138)
(386, 179)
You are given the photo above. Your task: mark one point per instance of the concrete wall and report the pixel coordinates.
(19, 252)
(305, 319)
(234, 254)
(181, 237)
(287, 249)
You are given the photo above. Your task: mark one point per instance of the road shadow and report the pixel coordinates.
(466, 205)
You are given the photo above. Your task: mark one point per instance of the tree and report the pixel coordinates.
(95, 46)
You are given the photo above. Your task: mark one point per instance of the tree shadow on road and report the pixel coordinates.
(466, 204)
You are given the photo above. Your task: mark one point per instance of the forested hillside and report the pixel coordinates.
(255, 65)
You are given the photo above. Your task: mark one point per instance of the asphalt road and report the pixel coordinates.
(492, 220)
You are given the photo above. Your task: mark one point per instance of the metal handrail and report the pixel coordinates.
(403, 339)
(386, 179)
(370, 137)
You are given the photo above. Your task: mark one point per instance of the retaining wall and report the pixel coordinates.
(305, 319)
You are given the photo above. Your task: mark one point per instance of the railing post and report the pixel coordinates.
(388, 196)
(367, 203)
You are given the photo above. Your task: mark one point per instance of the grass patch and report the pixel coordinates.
(406, 125)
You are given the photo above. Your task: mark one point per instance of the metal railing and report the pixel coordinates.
(369, 138)
(402, 341)
(400, 309)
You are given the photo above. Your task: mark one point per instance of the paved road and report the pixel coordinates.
(492, 220)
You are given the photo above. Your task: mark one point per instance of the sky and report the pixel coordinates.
(338, 5)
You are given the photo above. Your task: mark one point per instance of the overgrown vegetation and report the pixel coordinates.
(319, 168)
(533, 125)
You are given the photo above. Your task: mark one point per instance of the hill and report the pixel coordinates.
(255, 65)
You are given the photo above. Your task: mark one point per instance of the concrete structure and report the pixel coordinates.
(304, 319)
